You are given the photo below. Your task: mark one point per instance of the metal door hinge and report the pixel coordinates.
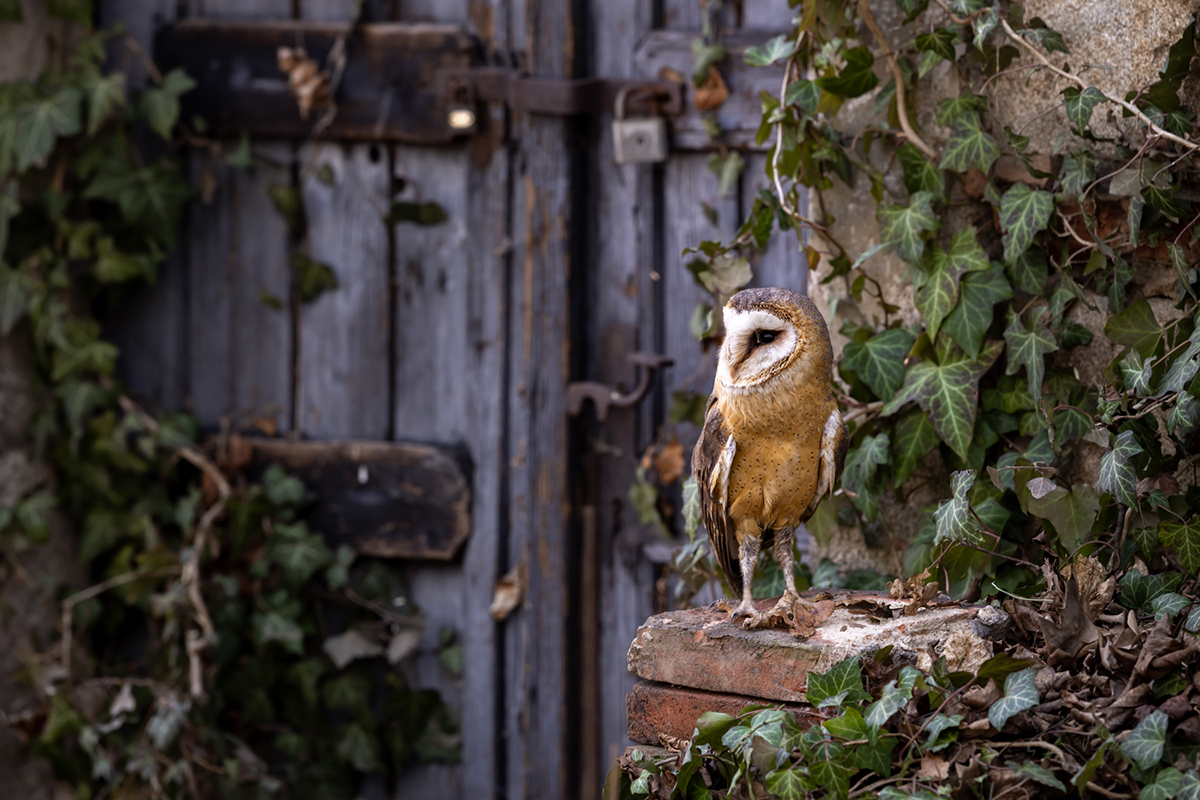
(603, 396)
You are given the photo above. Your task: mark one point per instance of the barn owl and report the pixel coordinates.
(773, 442)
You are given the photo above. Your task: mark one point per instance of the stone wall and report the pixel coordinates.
(30, 581)
(1126, 42)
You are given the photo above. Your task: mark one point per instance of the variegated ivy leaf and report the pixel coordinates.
(894, 697)
(1169, 605)
(985, 23)
(1027, 347)
(845, 678)
(904, 228)
(1078, 171)
(950, 109)
(915, 438)
(778, 48)
(858, 477)
(1136, 373)
(805, 94)
(1184, 271)
(1035, 771)
(1030, 271)
(784, 783)
(1023, 212)
(1183, 368)
(920, 174)
(1144, 746)
(952, 518)
(949, 391)
(1184, 539)
(1080, 105)
(1122, 275)
(938, 291)
(1184, 417)
(41, 122)
(1165, 786)
(969, 145)
(969, 321)
(1020, 693)
(940, 41)
(879, 361)
(1117, 474)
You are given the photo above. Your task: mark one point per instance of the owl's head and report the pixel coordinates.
(769, 332)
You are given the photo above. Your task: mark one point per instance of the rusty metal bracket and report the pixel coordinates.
(603, 396)
(560, 97)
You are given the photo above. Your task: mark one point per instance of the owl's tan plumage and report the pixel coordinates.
(773, 441)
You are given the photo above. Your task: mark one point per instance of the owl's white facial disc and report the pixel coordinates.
(755, 341)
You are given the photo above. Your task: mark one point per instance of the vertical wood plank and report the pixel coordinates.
(538, 740)
(621, 288)
(767, 15)
(783, 262)
(241, 347)
(343, 386)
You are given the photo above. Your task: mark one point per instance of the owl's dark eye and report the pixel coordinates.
(765, 337)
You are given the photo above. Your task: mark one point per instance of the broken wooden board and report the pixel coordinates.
(395, 500)
(391, 87)
(661, 715)
(702, 649)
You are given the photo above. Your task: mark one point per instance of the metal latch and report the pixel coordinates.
(603, 396)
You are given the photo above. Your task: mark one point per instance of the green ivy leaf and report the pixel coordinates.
(1093, 764)
(161, 104)
(903, 228)
(1184, 271)
(936, 293)
(915, 438)
(105, 94)
(1185, 417)
(1136, 373)
(10, 11)
(1020, 693)
(1135, 327)
(1169, 605)
(792, 783)
(832, 776)
(1080, 105)
(1035, 771)
(949, 392)
(78, 11)
(1027, 347)
(1184, 539)
(912, 9)
(1077, 173)
(857, 76)
(776, 49)
(879, 361)
(359, 749)
(920, 174)
(1117, 474)
(805, 94)
(858, 475)
(41, 122)
(728, 168)
(298, 551)
(1138, 591)
(1144, 746)
(151, 197)
(950, 109)
(1166, 785)
(17, 289)
(952, 518)
(1072, 513)
(969, 146)
(711, 726)
(1023, 212)
(895, 696)
(312, 278)
(272, 626)
(940, 41)
(843, 680)
(1030, 271)
(978, 294)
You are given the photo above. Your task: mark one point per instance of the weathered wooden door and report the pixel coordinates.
(552, 265)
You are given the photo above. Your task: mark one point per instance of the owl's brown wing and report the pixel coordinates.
(711, 462)
(835, 440)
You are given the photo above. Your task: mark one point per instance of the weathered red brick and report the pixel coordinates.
(702, 649)
(656, 709)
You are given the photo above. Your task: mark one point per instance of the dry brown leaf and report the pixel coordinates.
(1074, 635)
(267, 426)
(669, 462)
(934, 767)
(920, 601)
(807, 616)
(713, 92)
(509, 591)
(309, 84)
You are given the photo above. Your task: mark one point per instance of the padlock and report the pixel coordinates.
(637, 141)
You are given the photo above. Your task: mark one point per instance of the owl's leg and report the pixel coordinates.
(748, 549)
(786, 556)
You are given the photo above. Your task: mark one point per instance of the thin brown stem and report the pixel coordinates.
(864, 10)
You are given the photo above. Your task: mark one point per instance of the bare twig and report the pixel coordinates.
(1132, 109)
(864, 10)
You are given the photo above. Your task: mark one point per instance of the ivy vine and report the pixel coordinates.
(224, 650)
